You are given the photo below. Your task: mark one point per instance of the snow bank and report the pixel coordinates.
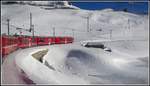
(73, 64)
(40, 73)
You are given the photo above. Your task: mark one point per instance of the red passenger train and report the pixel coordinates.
(12, 43)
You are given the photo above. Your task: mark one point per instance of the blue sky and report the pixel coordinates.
(136, 7)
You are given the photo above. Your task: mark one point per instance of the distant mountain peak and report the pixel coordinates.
(50, 4)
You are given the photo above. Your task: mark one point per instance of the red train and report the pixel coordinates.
(12, 43)
(9, 44)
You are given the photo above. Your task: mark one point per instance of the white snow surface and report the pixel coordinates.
(75, 64)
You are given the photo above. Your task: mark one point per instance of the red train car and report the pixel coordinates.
(57, 40)
(63, 40)
(51, 40)
(43, 40)
(69, 39)
(9, 44)
(34, 41)
(24, 42)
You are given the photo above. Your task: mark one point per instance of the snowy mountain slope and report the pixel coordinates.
(127, 64)
(51, 4)
(45, 20)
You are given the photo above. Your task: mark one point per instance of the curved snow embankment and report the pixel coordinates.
(78, 65)
(40, 73)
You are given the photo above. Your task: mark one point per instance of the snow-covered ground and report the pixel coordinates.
(75, 64)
